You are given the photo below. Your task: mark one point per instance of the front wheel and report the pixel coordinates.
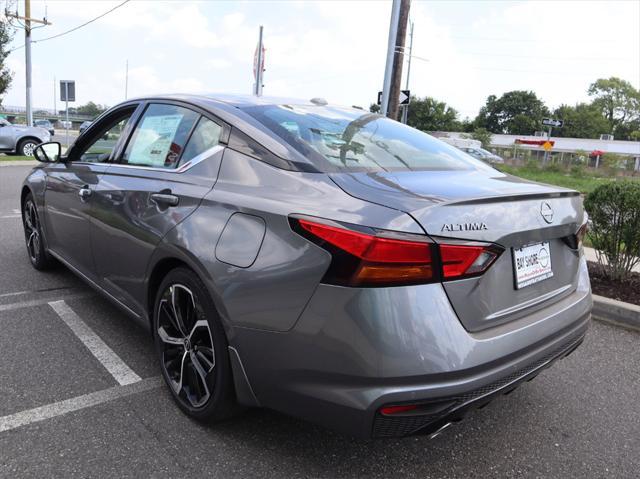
(26, 147)
(192, 348)
(40, 258)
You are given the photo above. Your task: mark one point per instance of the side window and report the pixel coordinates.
(205, 136)
(100, 148)
(160, 136)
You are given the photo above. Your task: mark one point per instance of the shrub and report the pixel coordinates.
(578, 171)
(553, 168)
(614, 210)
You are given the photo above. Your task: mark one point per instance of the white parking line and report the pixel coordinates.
(37, 302)
(10, 216)
(49, 411)
(103, 353)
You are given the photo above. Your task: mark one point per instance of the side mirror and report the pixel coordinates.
(48, 152)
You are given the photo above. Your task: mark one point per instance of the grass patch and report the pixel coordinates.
(16, 158)
(579, 182)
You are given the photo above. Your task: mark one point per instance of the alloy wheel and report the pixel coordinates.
(28, 148)
(32, 230)
(187, 352)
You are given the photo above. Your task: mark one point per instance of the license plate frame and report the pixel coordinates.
(531, 264)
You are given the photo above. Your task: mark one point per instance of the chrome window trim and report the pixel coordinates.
(181, 169)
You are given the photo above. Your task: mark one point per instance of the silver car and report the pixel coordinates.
(321, 261)
(21, 139)
(483, 155)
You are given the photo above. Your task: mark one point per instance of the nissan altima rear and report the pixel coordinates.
(321, 261)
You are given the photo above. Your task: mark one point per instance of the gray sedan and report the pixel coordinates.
(322, 261)
(20, 139)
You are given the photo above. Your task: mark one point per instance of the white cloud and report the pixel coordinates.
(333, 49)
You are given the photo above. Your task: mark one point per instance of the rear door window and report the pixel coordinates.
(205, 136)
(160, 136)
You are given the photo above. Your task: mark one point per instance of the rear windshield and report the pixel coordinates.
(353, 140)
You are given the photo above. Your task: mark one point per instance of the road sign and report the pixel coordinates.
(552, 122)
(403, 99)
(67, 90)
(547, 146)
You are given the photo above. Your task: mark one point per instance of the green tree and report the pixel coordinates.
(5, 74)
(581, 121)
(91, 108)
(429, 114)
(374, 108)
(516, 112)
(483, 136)
(618, 101)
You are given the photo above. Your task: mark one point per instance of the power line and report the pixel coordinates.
(72, 29)
(83, 25)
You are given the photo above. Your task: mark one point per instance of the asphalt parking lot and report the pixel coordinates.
(81, 397)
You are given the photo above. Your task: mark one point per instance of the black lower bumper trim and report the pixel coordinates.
(404, 425)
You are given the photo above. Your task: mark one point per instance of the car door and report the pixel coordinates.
(7, 135)
(169, 164)
(69, 189)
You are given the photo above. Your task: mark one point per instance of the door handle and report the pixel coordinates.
(85, 192)
(165, 199)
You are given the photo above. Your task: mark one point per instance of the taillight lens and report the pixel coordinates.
(463, 261)
(575, 240)
(362, 259)
(581, 233)
(393, 259)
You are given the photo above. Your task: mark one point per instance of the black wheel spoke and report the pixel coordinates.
(32, 230)
(186, 342)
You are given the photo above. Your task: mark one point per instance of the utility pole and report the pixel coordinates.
(126, 80)
(398, 60)
(405, 111)
(391, 48)
(55, 110)
(27, 50)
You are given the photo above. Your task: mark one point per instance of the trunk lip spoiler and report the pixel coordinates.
(514, 197)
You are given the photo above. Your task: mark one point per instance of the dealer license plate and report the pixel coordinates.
(532, 264)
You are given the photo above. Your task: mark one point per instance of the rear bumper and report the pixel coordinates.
(354, 351)
(441, 412)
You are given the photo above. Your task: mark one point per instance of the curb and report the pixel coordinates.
(616, 312)
(19, 163)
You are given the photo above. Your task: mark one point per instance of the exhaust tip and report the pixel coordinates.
(439, 431)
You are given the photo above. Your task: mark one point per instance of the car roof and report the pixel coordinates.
(236, 100)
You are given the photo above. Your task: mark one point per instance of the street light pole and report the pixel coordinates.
(259, 60)
(27, 57)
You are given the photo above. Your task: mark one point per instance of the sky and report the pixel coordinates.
(463, 51)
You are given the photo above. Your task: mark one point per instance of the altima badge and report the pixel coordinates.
(464, 227)
(546, 211)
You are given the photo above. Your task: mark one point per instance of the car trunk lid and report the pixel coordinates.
(486, 205)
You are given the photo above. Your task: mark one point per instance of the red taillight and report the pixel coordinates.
(371, 248)
(380, 260)
(363, 259)
(461, 260)
(581, 233)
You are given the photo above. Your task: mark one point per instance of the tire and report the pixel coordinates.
(26, 147)
(192, 348)
(34, 240)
